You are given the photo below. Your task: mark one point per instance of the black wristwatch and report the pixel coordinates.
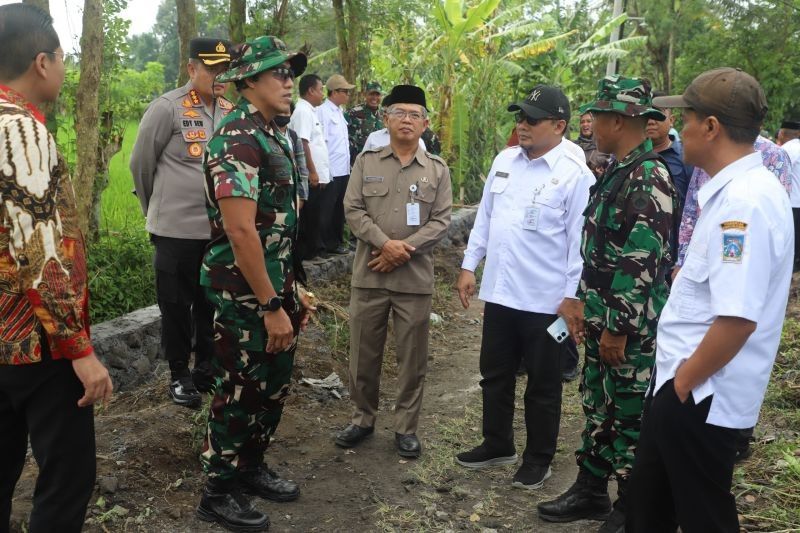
(272, 305)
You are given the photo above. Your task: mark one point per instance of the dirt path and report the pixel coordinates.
(147, 447)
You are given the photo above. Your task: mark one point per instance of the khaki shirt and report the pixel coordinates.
(375, 208)
(167, 163)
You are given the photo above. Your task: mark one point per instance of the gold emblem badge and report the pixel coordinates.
(220, 48)
(191, 114)
(195, 150)
(424, 179)
(195, 135)
(195, 97)
(186, 103)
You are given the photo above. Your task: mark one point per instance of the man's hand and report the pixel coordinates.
(96, 381)
(675, 273)
(313, 179)
(380, 263)
(681, 390)
(612, 348)
(280, 333)
(397, 252)
(465, 285)
(571, 310)
(307, 301)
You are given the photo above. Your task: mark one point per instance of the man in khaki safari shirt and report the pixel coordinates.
(398, 205)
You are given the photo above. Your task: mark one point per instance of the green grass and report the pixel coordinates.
(120, 209)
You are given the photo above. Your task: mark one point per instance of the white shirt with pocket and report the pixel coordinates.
(738, 264)
(528, 228)
(335, 127)
(307, 126)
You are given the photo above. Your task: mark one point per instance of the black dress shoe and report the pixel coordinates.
(263, 482)
(352, 435)
(223, 502)
(408, 445)
(339, 250)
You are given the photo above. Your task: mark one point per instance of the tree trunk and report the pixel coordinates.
(187, 30)
(346, 36)
(49, 108)
(87, 113)
(280, 19)
(237, 15)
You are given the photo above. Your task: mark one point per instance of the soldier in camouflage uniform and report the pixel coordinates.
(251, 193)
(364, 119)
(625, 247)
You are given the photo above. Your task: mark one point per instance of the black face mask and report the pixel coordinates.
(282, 120)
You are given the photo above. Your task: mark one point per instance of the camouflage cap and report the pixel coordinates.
(631, 97)
(374, 87)
(260, 54)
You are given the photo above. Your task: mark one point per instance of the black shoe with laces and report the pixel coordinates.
(264, 482)
(530, 476)
(224, 503)
(587, 498)
(481, 457)
(183, 392)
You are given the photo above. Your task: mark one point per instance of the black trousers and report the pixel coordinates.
(683, 470)
(40, 400)
(332, 212)
(509, 336)
(309, 240)
(186, 317)
(570, 356)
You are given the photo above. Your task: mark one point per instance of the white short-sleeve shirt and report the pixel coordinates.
(380, 138)
(738, 264)
(528, 228)
(336, 137)
(306, 125)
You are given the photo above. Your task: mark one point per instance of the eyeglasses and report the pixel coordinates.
(282, 74)
(521, 116)
(401, 114)
(63, 55)
(342, 91)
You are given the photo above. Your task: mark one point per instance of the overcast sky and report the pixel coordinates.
(68, 15)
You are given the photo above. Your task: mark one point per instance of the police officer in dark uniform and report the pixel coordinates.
(167, 168)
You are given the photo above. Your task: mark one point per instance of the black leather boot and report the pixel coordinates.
(587, 498)
(263, 482)
(615, 523)
(224, 503)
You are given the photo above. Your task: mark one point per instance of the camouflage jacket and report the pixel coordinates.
(625, 245)
(432, 142)
(248, 158)
(361, 121)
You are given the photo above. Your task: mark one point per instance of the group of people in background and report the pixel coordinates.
(668, 257)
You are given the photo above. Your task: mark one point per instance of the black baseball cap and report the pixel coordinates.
(730, 94)
(544, 101)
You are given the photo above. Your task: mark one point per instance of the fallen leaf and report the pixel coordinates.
(474, 517)
(403, 461)
(750, 498)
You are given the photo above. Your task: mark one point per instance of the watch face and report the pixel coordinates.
(274, 303)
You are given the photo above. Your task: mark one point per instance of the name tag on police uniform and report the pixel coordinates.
(531, 220)
(373, 179)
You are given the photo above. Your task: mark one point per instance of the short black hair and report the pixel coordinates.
(308, 82)
(737, 134)
(25, 32)
(241, 84)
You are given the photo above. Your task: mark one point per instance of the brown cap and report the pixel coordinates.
(337, 81)
(730, 94)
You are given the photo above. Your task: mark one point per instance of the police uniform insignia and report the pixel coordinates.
(733, 240)
(220, 48)
(191, 114)
(639, 201)
(195, 98)
(195, 135)
(186, 103)
(424, 179)
(195, 150)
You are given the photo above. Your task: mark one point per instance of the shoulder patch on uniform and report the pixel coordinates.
(640, 200)
(732, 247)
(733, 225)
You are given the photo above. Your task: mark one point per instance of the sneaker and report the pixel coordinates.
(183, 392)
(480, 457)
(530, 476)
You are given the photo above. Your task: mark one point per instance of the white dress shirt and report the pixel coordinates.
(335, 127)
(739, 264)
(792, 149)
(530, 269)
(575, 149)
(380, 138)
(306, 125)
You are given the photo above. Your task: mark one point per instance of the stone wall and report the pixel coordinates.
(128, 345)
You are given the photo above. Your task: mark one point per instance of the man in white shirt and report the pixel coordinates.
(721, 327)
(789, 139)
(528, 228)
(337, 138)
(308, 127)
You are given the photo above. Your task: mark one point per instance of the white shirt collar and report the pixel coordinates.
(724, 176)
(550, 158)
(330, 104)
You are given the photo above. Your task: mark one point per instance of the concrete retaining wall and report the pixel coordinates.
(129, 345)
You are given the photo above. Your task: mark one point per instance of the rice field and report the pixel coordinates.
(120, 211)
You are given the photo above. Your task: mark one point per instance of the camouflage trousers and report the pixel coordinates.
(252, 385)
(613, 399)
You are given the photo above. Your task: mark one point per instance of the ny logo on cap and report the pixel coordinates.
(220, 48)
(535, 95)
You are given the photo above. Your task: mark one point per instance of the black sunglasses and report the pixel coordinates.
(282, 73)
(522, 116)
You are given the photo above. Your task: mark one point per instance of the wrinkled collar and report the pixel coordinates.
(740, 167)
(419, 155)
